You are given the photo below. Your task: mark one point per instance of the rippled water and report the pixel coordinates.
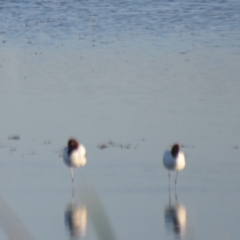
(133, 77)
(36, 22)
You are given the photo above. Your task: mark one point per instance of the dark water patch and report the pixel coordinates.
(114, 144)
(14, 137)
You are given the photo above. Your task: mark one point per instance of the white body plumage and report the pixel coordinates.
(174, 160)
(177, 163)
(77, 157)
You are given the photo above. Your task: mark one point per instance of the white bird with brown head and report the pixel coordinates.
(174, 160)
(74, 155)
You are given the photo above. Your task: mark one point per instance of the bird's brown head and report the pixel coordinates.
(175, 150)
(72, 145)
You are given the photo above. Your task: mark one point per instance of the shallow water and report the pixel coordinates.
(106, 22)
(133, 77)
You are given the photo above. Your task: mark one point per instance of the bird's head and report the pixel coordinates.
(72, 145)
(175, 150)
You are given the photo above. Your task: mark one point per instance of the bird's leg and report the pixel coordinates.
(176, 178)
(72, 174)
(169, 196)
(73, 193)
(176, 198)
(169, 188)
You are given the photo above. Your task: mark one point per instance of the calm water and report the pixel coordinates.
(141, 75)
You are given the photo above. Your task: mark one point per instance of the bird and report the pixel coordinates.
(74, 155)
(174, 160)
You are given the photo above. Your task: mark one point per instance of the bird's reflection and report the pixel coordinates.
(76, 219)
(89, 209)
(175, 215)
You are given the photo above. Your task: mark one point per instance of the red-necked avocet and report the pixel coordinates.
(174, 160)
(74, 155)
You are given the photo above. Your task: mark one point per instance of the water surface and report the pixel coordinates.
(137, 77)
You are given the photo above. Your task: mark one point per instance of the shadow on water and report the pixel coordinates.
(11, 224)
(88, 208)
(76, 215)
